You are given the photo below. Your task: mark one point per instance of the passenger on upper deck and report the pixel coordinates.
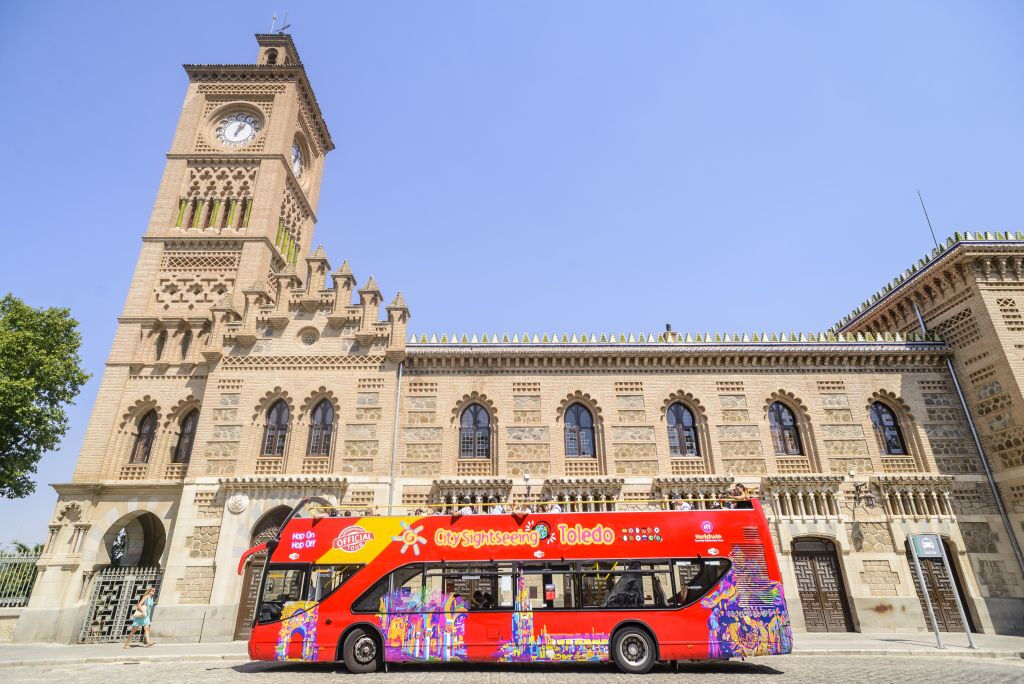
(740, 497)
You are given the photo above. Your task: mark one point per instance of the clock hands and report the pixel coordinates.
(238, 128)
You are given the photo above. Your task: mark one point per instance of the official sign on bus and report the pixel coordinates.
(927, 545)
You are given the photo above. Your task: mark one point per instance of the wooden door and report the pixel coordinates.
(250, 593)
(820, 585)
(264, 531)
(941, 590)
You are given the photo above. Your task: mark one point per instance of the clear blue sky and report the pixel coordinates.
(536, 165)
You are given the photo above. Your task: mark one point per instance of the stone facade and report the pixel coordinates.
(224, 319)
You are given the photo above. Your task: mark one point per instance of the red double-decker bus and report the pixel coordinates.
(633, 587)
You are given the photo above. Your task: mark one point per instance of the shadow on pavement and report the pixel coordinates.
(737, 668)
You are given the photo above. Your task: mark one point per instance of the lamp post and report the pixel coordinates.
(862, 495)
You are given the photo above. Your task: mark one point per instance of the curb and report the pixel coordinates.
(945, 653)
(241, 657)
(128, 660)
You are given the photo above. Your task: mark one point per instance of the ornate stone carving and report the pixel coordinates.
(238, 502)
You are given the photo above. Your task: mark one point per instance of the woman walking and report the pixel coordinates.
(142, 617)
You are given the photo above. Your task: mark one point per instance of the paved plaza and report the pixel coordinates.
(787, 668)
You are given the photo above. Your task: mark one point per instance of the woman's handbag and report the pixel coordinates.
(140, 612)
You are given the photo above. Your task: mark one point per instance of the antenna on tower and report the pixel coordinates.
(284, 23)
(930, 229)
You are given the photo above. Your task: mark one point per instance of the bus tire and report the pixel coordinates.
(361, 651)
(633, 649)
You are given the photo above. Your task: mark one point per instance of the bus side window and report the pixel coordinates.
(696, 577)
(402, 589)
(596, 581)
(550, 586)
(369, 602)
(324, 579)
(407, 590)
(657, 584)
(485, 587)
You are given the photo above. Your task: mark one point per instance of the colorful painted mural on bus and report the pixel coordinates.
(296, 640)
(758, 626)
(528, 645)
(423, 626)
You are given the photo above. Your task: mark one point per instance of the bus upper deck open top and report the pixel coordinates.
(633, 587)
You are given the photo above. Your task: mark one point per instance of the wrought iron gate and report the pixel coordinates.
(115, 591)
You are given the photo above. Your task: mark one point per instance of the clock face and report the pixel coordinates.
(296, 159)
(238, 129)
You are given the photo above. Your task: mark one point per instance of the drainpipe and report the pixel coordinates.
(394, 438)
(981, 452)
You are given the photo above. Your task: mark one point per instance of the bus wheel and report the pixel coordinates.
(360, 651)
(633, 650)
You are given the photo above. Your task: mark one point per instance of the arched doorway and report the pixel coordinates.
(134, 545)
(265, 530)
(819, 582)
(135, 542)
(940, 590)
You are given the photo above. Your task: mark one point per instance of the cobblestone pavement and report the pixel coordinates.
(832, 669)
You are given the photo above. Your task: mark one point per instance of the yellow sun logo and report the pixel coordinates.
(410, 536)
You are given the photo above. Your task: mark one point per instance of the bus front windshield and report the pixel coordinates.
(299, 583)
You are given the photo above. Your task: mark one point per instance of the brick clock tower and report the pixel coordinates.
(234, 214)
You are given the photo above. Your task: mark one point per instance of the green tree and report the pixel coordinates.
(22, 547)
(40, 373)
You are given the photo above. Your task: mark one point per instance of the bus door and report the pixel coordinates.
(546, 604)
(283, 601)
(485, 593)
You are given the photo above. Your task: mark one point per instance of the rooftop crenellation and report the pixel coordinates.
(925, 262)
(670, 338)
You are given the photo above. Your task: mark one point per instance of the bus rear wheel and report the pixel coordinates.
(360, 651)
(633, 650)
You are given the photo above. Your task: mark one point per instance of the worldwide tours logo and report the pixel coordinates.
(707, 533)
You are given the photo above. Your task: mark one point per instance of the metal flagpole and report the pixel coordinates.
(956, 593)
(924, 592)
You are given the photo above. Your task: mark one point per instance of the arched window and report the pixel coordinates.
(161, 341)
(475, 433)
(887, 430)
(271, 57)
(144, 438)
(785, 433)
(276, 429)
(186, 343)
(682, 433)
(579, 431)
(186, 437)
(321, 428)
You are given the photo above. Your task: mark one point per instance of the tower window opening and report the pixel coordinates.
(144, 438)
(225, 213)
(208, 215)
(245, 210)
(161, 341)
(193, 208)
(271, 57)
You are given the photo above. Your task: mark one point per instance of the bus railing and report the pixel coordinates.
(522, 507)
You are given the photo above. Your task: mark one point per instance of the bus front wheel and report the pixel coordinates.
(360, 651)
(633, 650)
